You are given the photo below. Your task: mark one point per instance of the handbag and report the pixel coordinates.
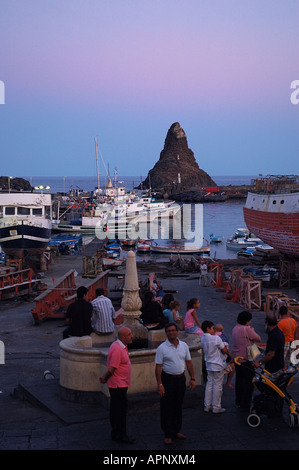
(253, 351)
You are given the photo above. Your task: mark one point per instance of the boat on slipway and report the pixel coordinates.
(70, 239)
(179, 249)
(25, 223)
(143, 245)
(272, 212)
(111, 262)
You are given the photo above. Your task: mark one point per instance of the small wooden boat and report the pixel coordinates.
(113, 247)
(215, 238)
(112, 254)
(180, 249)
(128, 242)
(57, 239)
(111, 262)
(143, 246)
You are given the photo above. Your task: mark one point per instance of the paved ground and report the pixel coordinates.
(52, 424)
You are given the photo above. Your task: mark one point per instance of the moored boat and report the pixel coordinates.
(242, 243)
(215, 238)
(180, 249)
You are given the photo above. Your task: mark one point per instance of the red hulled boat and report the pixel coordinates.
(272, 213)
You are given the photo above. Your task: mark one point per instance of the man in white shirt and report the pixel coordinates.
(172, 359)
(214, 353)
(203, 274)
(103, 314)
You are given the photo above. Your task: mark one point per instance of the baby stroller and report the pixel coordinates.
(273, 393)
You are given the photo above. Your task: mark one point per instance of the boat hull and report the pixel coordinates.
(280, 230)
(57, 228)
(21, 239)
(110, 262)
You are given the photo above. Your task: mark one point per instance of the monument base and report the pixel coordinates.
(83, 361)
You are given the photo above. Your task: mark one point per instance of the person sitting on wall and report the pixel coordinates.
(151, 313)
(78, 315)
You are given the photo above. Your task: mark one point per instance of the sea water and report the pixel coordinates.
(63, 184)
(220, 218)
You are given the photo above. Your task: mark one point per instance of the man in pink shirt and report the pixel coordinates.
(118, 379)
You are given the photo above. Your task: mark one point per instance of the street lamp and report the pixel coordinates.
(9, 178)
(42, 188)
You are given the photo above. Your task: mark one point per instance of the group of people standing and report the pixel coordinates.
(173, 358)
(218, 357)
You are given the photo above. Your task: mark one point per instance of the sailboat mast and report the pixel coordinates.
(97, 160)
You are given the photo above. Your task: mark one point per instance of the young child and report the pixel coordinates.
(230, 366)
(214, 349)
(174, 306)
(191, 322)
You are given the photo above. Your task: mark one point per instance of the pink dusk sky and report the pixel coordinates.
(125, 70)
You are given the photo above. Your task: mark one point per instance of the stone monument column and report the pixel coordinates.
(131, 302)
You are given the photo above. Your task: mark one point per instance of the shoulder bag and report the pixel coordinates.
(253, 351)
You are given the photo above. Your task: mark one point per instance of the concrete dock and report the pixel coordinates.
(34, 417)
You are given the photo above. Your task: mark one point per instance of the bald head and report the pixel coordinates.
(125, 335)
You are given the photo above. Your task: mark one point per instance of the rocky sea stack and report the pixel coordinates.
(14, 184)
(176, 170)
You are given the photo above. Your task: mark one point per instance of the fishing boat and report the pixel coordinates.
(25, 223)
(272, 212)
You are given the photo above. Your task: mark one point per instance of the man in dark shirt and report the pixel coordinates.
(274, 358)
(78, 315)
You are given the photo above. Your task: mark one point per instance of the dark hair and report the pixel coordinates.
(100, 291)
(191, 303)
(271, 321)
(81, 291)
(171, 324)
(148, 297)
(244, 317)
(167, 299)
(206, 324)
(283, 310)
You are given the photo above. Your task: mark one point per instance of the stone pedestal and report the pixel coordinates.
(131, 302)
